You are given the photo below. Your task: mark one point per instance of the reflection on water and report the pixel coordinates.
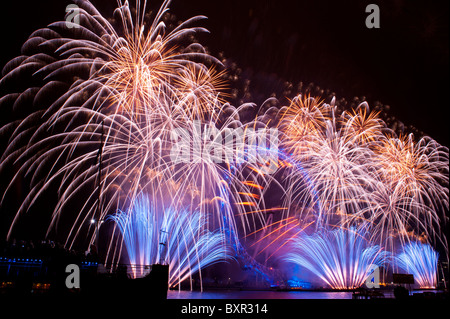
(233, 294)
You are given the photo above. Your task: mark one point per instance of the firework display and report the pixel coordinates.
(180, 243)
(421, 261)
(340, 258)
(127, 122)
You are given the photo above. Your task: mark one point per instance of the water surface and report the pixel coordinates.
(236, 294)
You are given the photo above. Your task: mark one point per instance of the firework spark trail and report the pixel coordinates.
(336, 165)
(364, 174)
(184, 244)
(340, 258)
(420, 260)
(420, 172)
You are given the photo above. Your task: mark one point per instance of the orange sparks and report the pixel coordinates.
(252, 184)
(250, 195)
